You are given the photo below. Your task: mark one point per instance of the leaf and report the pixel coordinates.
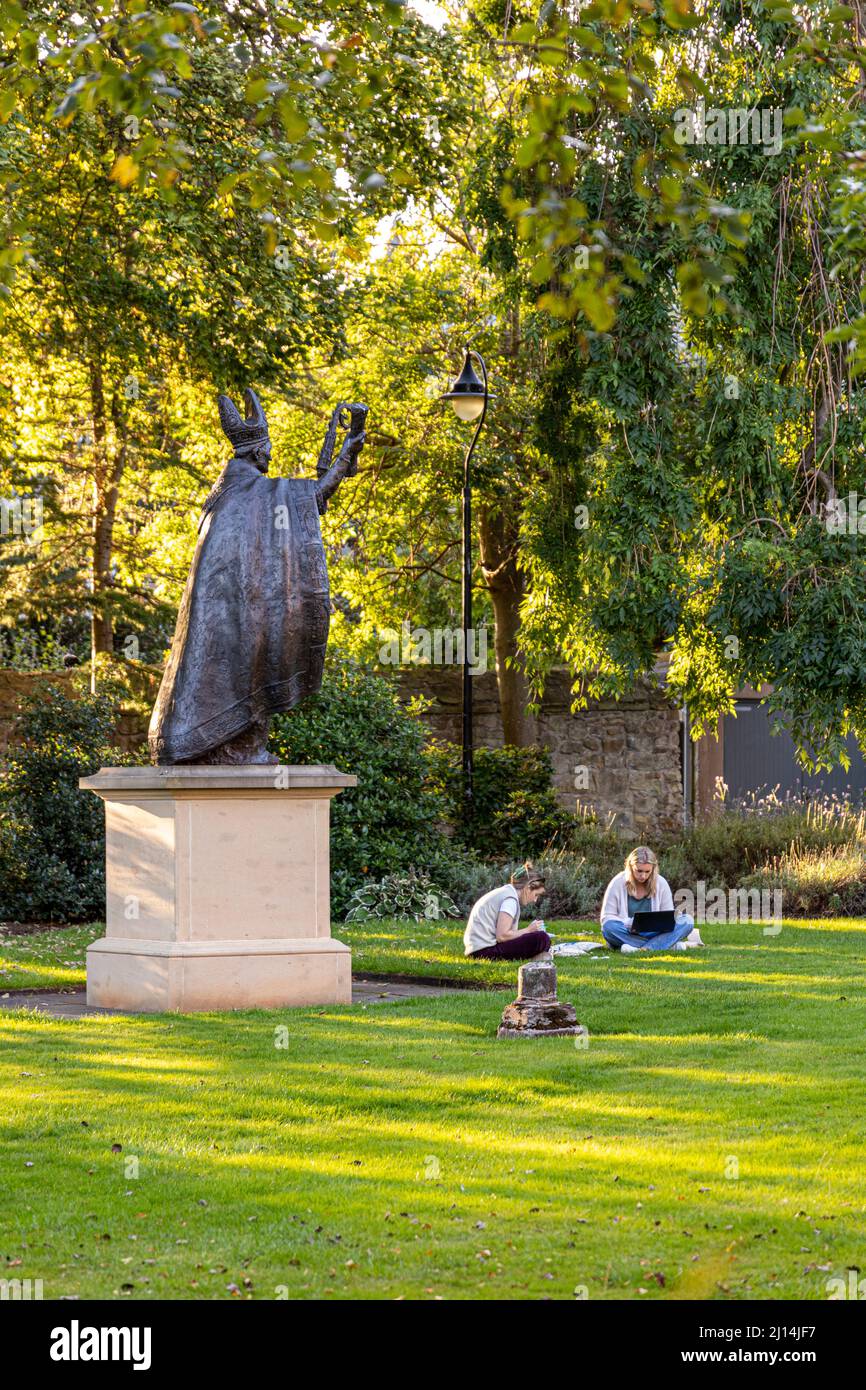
(227, 184)
(125, 171)
(587, 38)
(294, 124)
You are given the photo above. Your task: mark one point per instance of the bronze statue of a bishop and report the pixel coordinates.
(253, 621)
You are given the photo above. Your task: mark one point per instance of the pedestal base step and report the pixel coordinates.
(576, 1030)
(147, 976)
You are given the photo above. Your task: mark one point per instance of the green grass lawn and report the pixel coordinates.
(46, 959)
(56, 958)
(708, 1143)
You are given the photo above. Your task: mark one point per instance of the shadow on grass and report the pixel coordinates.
(710, 1131)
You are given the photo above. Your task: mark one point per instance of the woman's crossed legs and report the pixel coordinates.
(617, 935)
(521, 947)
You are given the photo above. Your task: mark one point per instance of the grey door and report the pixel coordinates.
(756, 760)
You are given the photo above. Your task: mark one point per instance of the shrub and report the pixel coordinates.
(389, 823)
(36, 648)
(514, 807)
(574, 888)
(528, 823)
(52, 835)
(412, 894)
(601, 846)
(743, 839)
(820, 882)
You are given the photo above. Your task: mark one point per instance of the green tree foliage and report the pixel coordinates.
(592, 79)
(52, 835)
(721, 425)
(390, 822)
(358, 88)
(192, 177)
(674, 325)
(514, 808)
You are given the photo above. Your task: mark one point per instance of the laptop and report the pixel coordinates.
(653, 923)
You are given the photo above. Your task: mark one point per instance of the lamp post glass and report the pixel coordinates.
(468, 395)
(469, 408)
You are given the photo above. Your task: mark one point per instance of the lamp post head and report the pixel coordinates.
(468, 394)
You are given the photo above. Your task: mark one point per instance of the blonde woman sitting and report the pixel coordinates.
(638, 889)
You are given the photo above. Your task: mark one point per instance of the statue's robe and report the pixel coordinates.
(253, 621)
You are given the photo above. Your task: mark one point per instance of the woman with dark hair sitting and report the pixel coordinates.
(493, 931)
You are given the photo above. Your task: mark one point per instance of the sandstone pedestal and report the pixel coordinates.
(536, 1012)
(217, 889)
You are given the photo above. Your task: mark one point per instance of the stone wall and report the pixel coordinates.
(131, 728)
(620, 758)
(15, 686)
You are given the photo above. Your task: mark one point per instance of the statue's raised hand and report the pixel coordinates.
(346, 464)
(355, 441)
(352, 446)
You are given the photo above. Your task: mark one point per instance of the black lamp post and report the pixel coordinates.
(468, 397)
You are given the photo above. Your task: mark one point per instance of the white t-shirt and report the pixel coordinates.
(481, 927)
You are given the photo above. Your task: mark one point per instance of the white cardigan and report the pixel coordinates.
(615, 902)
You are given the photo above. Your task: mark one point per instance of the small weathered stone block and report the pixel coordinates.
(537, 980)
(536, 1012)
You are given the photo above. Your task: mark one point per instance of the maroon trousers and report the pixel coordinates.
(523, 947)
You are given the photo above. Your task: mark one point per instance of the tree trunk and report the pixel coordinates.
(498, 537)
(107, 472)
